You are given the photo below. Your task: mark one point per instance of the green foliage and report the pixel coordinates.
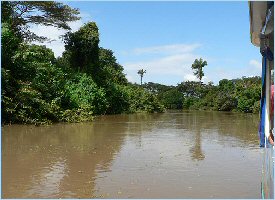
(188, 102)
(225, 102)
(245, 104)
(190, 89)
(32, 108)
(82, 48)
(198, 66)
(230, 95)
(39, 86)
(141, 100)
(50, 81)
(83, 93)
(156, 88)
(109, 70)
(77, 115)
(28, 58)
(87, 80)
(249, 93)
(10, 43)
(118, 98)
(9, 84)
(256, 107)
(169, 96)
(172, 99)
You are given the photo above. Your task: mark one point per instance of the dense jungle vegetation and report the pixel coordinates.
(242, 95)
(87, 80)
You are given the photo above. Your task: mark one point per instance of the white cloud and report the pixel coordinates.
(256, 64)
(218, 73)
(167, 49)
(252, 68)
(175, 64)
(205, 79)
(190, 77)
(168, 62)
(171, 64)
(131, 79)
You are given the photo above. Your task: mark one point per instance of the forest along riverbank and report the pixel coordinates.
(87, 80)
(189, 154)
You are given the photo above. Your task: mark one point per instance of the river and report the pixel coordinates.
(177, 154)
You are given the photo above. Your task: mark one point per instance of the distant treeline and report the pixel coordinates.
(241, 95)
(87, 80)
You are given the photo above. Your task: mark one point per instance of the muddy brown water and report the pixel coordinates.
(189, 154)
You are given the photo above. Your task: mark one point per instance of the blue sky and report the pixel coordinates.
(166, 37)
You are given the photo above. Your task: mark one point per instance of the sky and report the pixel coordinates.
(165, 38)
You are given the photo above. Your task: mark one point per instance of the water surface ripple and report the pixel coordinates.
(189, 154)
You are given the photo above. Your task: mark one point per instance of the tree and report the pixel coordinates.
(21, 14)
(26, 68)
(82, 47)
(86, 80)
(110, 70)
(172, 99)
(190, 89)
(198, 66)
(83, 93)
(141, 72)
(16, 17)
(156, 88)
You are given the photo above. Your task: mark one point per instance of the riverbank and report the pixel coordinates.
(87, 80)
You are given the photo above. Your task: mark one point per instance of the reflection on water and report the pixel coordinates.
(188, 154)
(196, 151)
(47, 185)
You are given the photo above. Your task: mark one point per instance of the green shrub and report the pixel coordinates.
(83, 93)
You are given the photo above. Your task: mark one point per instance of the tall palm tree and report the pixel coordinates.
(197, 67)
(141, 72)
